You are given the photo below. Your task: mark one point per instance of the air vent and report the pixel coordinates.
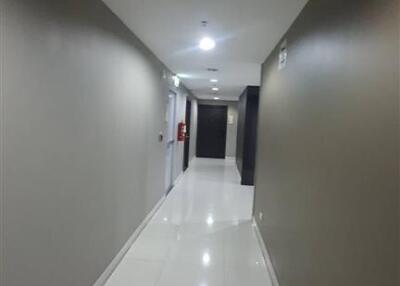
(212, 69)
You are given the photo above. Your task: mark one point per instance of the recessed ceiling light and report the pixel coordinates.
(215, 89)
(214, 80)
(215, 98)
(207, 44)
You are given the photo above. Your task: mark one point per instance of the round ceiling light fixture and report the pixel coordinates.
(207, 44)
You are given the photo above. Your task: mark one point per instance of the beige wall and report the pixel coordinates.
(82, 104)
(327, 180)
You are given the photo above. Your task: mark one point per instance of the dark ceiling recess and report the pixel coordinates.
(212, 69)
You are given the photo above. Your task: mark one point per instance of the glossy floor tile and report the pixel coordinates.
(201, 236)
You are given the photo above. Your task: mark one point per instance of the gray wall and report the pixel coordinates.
(231, 132)
(82, 103)
(327, 177)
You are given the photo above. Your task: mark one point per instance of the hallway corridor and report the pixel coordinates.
(202, 235)
(271, 125)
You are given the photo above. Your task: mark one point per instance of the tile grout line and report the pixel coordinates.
(224, 262)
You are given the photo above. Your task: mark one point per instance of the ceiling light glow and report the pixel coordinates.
(210, 219)
(206, 259)
(215, 98)
(184, 75)
(214, 80)
(207, 44)
(215, 89)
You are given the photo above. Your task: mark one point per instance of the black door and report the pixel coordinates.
(211, 131)
(187, 138)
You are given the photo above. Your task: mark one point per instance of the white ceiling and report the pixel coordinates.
(246, 31)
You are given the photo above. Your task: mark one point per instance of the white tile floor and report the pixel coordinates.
(201, 236)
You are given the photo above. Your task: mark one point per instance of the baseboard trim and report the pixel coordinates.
(267, 257)
(177, 180)
(101, 281)
(238, 173)
(191, 161)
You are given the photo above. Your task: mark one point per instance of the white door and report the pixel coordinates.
(170, 141)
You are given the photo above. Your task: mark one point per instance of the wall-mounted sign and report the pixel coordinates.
(283, 54)
(176, 80)
(231, 119)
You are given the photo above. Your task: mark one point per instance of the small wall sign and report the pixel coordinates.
(231, 119)
(283, 54)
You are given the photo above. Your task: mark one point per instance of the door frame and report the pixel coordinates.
(170, 140)
(188, 120)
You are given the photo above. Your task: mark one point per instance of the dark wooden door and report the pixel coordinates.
(211, 131)
(187, 138)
